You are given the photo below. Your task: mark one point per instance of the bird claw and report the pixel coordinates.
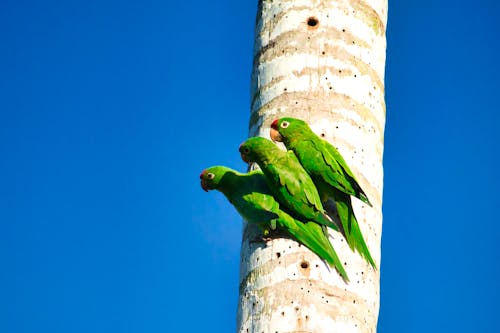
(266, 239)
(262, 239)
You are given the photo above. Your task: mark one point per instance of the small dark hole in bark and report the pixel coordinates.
(304, 264)
(312, 21)
(278, 254)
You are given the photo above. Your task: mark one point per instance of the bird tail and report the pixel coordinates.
(326, 221)
(332, 258)
(315, 238)
(351, 228)
(362, 196)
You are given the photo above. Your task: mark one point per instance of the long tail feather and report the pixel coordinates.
(362, 196)
(351, 227)
(315, 238)
(327, 221)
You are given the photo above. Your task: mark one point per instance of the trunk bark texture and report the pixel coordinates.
(323, 62)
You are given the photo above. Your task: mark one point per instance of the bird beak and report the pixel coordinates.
(275, 135)
(202, 181)
(243, 158)
(204, 186)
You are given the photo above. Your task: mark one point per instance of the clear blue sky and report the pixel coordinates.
(109, 110)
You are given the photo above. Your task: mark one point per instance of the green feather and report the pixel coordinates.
(315, 237)
(252, 198)
(350, 225)
(287, 179)
(331, 175)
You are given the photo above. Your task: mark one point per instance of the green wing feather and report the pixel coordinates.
(333, 178)
(295, 190)
(310, 234)
(339, 174)
(313, 237)
(257, 208)
(350, 225)
(252, 198)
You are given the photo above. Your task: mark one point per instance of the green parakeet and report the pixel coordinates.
(330, 174)
(287, 179)
(252, 198)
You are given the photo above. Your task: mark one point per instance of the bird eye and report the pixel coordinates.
(210, 175)
(246, 150)
(284, 124)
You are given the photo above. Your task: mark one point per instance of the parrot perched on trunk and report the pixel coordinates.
(287, 179)
(250, 195)
(329, 172)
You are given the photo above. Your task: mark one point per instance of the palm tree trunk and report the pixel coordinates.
(321, 61)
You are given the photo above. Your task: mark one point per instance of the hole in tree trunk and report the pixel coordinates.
(312, 22)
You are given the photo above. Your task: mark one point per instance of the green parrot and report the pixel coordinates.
(250, 195)
(329, 172)
(287, 179)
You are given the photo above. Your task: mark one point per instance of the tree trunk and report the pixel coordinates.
(323, 62)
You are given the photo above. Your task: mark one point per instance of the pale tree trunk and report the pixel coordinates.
(321, 61)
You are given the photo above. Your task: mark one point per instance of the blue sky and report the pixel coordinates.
(109, 110)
